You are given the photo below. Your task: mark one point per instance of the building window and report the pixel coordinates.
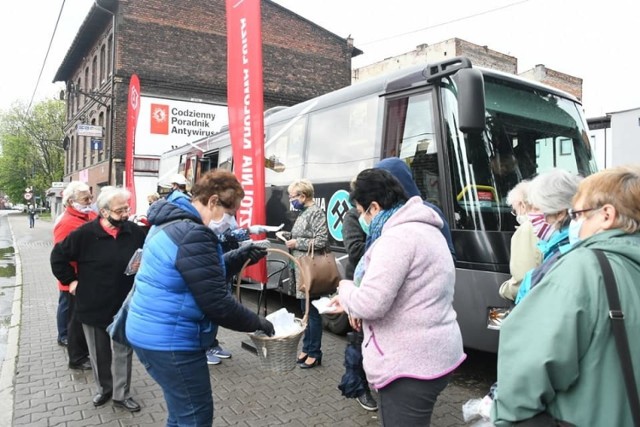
(86, 82)
(101, 123)
(102, 63)
(94, 72)
(109, 55)
(77, 95)
(77, 157)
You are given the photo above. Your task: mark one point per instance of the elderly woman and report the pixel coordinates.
(310, 228)
(181, 290)
(101, 250)
(557, 352)
(550, 195)
(525, 254)
(401, 297)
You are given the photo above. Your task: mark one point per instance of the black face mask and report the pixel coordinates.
(117, 222)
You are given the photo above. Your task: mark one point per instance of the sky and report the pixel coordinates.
(596, 41)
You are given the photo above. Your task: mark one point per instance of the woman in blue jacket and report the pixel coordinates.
(181, 292)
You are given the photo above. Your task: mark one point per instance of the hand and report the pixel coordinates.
(72, 287)
(253, 252)
(335, 303)
(291, 244)
(266, 327)
(356, 324)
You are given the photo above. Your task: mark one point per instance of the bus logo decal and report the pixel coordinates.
(337, 208)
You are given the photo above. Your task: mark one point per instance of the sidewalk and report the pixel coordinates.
(48, 393)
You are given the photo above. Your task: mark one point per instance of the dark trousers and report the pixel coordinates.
(62, 315)
(76, 341)
(409, 402)
(312, 339)
(184, 379)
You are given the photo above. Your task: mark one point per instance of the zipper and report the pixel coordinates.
(372, 338)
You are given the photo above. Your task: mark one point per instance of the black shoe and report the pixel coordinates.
(101, 399)
(313, 364)
(129, 404)
(301, 360)
(367, 401)
(84, 366)
(63, 342)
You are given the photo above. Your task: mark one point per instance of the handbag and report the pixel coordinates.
(320, 270)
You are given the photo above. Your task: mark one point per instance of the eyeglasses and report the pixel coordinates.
(513, 212)
(575, 214)
(120, 211)
(294, 196)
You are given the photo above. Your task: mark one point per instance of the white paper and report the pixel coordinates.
(284, 323)
(322, 304)
(258, 229)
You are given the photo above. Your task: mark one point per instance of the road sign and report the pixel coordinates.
(96, 144)
(28, 196)
(58, 184)
(89, 130)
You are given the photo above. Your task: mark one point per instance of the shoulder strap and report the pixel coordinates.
(620, 335)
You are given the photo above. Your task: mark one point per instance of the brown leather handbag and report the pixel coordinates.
(320, 270)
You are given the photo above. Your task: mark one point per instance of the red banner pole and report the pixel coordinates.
(246, 106)
(133, 109)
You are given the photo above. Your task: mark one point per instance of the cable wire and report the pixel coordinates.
(46, 55)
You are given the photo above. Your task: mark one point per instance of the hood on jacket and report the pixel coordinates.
(401, 171)
(415, 211)
(180, 208)
(615, 241)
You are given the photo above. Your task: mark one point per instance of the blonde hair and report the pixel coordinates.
(153, 197)
(302, 186)
(619, 187)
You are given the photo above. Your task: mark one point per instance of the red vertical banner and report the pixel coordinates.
(133, 109)
(246, 104)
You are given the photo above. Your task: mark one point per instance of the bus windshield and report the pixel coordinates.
(528, 131)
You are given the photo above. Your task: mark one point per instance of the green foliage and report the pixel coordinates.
(31, 153)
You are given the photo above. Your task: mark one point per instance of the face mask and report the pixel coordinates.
(521, 219)
(363, 224)
(81, 208)
(541, 228)
(297, 204)
(117, 222)
(222, 225)
(574, 231)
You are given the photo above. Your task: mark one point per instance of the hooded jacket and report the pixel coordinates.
(405, 300)
(557, 351)
(402, 173)
(181, 286)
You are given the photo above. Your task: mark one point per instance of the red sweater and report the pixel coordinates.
(69, 221)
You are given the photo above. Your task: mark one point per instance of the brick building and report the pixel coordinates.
(480, 56)
(178, 50)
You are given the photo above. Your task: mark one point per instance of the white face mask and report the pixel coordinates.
(81, 208)
(521, 219)
(222, 225)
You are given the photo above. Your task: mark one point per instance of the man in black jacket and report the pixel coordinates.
(102, 249)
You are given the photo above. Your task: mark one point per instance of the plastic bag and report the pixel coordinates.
(134, 263)
(478, 408)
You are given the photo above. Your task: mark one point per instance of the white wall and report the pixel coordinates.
(625, 133)
(602, 146)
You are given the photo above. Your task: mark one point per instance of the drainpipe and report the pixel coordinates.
(113, 91)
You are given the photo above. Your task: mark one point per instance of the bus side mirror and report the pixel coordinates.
(471, 109)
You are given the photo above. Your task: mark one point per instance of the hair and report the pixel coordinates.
(302, 186)
(619, 187)
(519, 193)
(107, 194)
(218, 182)
(380, 186)
(153, 197)
(552, 191)
(71, 191)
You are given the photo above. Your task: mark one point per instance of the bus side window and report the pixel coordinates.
(410, 135)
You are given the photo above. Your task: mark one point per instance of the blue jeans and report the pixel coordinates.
(184, 379)
(312, 340)
(62, 316)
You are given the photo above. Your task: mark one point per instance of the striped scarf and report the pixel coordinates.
(541, 228)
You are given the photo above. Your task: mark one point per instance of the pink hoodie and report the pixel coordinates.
(405, 300)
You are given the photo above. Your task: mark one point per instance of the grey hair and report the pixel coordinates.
(519, 193)
(107, 194)
(72, 189)
(553, 191)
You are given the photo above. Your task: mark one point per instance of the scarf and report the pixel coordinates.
(375, 231)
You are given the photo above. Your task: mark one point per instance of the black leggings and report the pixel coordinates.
(409, 402)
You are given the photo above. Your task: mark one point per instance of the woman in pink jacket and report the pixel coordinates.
(401, 297)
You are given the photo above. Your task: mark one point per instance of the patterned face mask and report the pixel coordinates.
(541, 228)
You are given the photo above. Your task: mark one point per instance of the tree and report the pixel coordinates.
(31, 153)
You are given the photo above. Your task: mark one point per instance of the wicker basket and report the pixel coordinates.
(278, 354)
